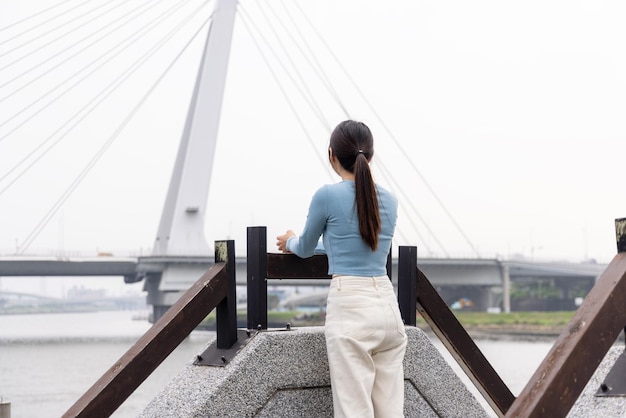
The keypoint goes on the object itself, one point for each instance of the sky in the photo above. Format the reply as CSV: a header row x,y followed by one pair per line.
x,y
498,125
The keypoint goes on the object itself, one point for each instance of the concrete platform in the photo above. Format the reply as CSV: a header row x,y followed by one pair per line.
x,y
589,405
285,374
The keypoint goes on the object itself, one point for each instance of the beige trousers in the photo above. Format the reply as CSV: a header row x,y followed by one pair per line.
x,y
366,341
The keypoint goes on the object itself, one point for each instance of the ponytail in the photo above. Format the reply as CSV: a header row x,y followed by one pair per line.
x,y
353,144
366,202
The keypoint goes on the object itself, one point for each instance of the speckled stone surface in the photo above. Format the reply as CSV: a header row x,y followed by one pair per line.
x,y
285,374
589,405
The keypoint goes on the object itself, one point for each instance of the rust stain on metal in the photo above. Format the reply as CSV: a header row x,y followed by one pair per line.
x,y
577,327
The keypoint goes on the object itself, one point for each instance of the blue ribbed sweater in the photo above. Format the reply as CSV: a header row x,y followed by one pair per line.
x,y
332,215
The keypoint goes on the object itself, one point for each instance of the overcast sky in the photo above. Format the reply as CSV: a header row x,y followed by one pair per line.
x,y
499,125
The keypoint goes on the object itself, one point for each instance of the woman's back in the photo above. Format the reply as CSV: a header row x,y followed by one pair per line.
x,y
348,253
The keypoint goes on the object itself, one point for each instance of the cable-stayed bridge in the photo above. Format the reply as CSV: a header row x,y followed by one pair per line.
x,y
68,122
35,63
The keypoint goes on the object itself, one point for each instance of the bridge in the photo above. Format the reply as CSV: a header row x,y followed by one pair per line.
x,y
487,282
20,302
179,249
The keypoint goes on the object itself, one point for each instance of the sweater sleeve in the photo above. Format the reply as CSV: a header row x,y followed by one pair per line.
x,y
307,243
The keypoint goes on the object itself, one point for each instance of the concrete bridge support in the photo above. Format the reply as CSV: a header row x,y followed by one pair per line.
x,y
285,373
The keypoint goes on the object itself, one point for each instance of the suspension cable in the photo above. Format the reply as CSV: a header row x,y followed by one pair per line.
x,y
68,192
316,65
282,89
111,52
99,98
284,67
307,92
407,199
41,23
129,16
50,42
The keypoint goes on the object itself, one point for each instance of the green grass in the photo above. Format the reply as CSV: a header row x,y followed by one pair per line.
x,y
541,319
467,319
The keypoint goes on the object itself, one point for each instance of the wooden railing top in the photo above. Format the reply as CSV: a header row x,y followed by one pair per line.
x,y
121,380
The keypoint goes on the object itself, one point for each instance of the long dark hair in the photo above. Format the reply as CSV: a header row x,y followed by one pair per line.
x,y
353,144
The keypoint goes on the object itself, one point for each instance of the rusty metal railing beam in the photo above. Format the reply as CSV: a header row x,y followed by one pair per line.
x,y
462,347
579,349
209,292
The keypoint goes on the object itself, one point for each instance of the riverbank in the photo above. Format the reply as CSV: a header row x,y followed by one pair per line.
x,y
513,326
506,333
82,347
527,326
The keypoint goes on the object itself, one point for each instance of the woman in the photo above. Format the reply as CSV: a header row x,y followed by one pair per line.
x,y
365,337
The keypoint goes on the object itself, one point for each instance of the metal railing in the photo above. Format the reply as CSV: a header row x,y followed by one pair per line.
x,y
551,391
215,289
414,293
561,377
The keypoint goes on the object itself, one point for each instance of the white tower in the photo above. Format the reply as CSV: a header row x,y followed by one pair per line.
x,y
181,230
181,249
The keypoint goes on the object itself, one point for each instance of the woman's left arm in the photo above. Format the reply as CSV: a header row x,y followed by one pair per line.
x,y
305,245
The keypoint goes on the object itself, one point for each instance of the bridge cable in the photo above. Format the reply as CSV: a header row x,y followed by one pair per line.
x,y
306,94
302,90
43,35
396,142
129,16
102,95
317,67
316,108
142,31
102,92
244,19
37,14
128,40
31,237
400,190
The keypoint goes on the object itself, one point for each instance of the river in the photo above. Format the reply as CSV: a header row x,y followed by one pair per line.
x,y
48,361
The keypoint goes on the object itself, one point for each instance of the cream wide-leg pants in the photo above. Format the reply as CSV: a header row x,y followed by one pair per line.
x,y
366,341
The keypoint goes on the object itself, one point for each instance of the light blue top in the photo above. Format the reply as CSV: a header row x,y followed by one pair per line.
x,y
332,213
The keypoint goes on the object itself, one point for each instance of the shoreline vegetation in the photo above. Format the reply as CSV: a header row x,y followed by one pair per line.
x,y
522,325
532,325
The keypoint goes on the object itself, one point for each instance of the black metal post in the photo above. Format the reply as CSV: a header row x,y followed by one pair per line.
x,y
226,311
620,237
407,284
257,271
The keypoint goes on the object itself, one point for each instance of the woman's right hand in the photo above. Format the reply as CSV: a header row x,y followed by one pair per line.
x,y
281,240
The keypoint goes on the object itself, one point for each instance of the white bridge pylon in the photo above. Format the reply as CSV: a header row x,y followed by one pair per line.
x,y
181,229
